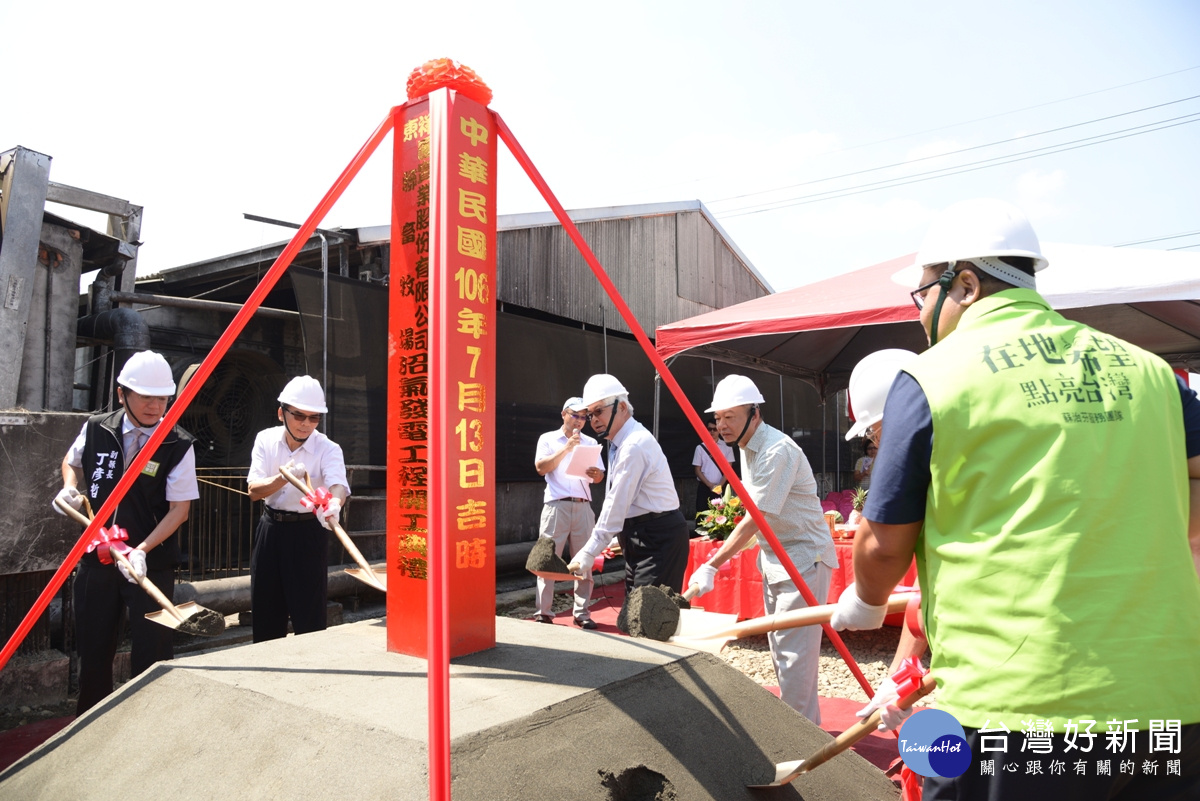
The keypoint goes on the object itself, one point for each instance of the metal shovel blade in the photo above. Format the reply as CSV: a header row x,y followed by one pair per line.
x,y
549,576
190,618
694,622
374,579
785,772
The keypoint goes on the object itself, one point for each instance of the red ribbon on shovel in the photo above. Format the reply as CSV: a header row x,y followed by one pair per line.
x,y
109,538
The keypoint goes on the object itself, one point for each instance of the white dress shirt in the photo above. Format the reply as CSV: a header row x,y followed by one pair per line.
x,y
322,458
639,482
558,484
706,464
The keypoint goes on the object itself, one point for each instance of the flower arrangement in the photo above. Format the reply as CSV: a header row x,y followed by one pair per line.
x,y
724,512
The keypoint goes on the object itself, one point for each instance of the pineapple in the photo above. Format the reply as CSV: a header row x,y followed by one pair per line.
x,y
859,499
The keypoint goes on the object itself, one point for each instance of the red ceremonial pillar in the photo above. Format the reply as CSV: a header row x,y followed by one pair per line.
x,y
441,532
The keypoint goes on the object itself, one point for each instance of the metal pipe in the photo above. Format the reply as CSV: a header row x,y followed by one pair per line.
x,y
200,303
122,328
231,595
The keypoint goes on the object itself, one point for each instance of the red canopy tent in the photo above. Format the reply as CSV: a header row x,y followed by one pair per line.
x,y
820,331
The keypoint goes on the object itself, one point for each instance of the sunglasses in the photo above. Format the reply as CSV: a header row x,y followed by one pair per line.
x,y
301,418
578,415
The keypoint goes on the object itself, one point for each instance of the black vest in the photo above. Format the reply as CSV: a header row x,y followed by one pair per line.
x,y
145,504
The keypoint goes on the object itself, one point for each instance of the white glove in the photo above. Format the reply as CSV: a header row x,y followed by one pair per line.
x,y
71,497
332,511
853,614
295,468
704,578
891,716
137,560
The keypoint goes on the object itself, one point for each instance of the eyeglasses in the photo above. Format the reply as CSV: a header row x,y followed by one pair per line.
x,y
578,415
918,294
595,413
301,418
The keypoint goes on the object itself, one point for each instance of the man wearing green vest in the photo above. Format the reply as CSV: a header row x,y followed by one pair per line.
x,y
1042,472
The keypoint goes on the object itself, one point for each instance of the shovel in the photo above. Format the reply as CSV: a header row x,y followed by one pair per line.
x,y
701,634
189,617
363,572
785,772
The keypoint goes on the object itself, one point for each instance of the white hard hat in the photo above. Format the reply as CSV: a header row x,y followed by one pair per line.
x,y
147,373
732,391
304,393
601,386
574,404
869,385
979,231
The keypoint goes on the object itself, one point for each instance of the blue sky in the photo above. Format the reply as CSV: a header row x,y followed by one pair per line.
x,y
256,107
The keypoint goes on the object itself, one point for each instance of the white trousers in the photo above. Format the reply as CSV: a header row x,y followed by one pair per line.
x,y
796,652
563,521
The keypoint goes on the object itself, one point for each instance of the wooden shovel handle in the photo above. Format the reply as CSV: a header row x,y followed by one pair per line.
x,y
864,727
146,585
805,617
342,536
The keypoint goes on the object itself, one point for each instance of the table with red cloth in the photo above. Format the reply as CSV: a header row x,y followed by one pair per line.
x,y
738,586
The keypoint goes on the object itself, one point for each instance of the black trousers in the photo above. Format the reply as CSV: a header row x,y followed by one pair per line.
x,y
656,551
1134,774
289,577
102,595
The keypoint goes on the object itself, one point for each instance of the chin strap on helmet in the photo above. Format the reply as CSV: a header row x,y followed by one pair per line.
x,y
749,420
944,282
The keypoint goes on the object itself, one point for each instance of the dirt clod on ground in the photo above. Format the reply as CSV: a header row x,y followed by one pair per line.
x,y
638,783
543,558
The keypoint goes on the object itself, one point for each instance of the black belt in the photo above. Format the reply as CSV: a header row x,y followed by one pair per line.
x,y
637,521
572,500
286,517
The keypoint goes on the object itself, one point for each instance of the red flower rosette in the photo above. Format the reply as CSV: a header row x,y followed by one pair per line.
x,y
316,501
908,677
113,537
448,73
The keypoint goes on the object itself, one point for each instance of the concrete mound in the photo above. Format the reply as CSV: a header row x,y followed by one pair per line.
x,y
550,712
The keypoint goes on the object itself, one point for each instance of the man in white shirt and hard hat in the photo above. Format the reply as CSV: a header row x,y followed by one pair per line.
x,y
289,563
780,481
152,510
641,505
567,512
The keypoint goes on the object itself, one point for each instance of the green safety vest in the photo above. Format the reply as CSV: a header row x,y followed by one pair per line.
x,y
1061,584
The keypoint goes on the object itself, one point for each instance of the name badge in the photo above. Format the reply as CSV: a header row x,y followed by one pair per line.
x,y
151,469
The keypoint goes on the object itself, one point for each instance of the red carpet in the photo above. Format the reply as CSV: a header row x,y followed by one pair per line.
x,y
16,743
837,714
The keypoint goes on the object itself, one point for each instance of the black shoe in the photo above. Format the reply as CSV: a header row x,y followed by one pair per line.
x,y
586,623
542,619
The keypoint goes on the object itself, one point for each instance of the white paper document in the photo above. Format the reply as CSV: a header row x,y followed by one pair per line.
x,y
583,457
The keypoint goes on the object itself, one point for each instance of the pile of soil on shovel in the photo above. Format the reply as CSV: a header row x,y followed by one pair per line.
x,y
205,623
651,611
543,558
637,784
